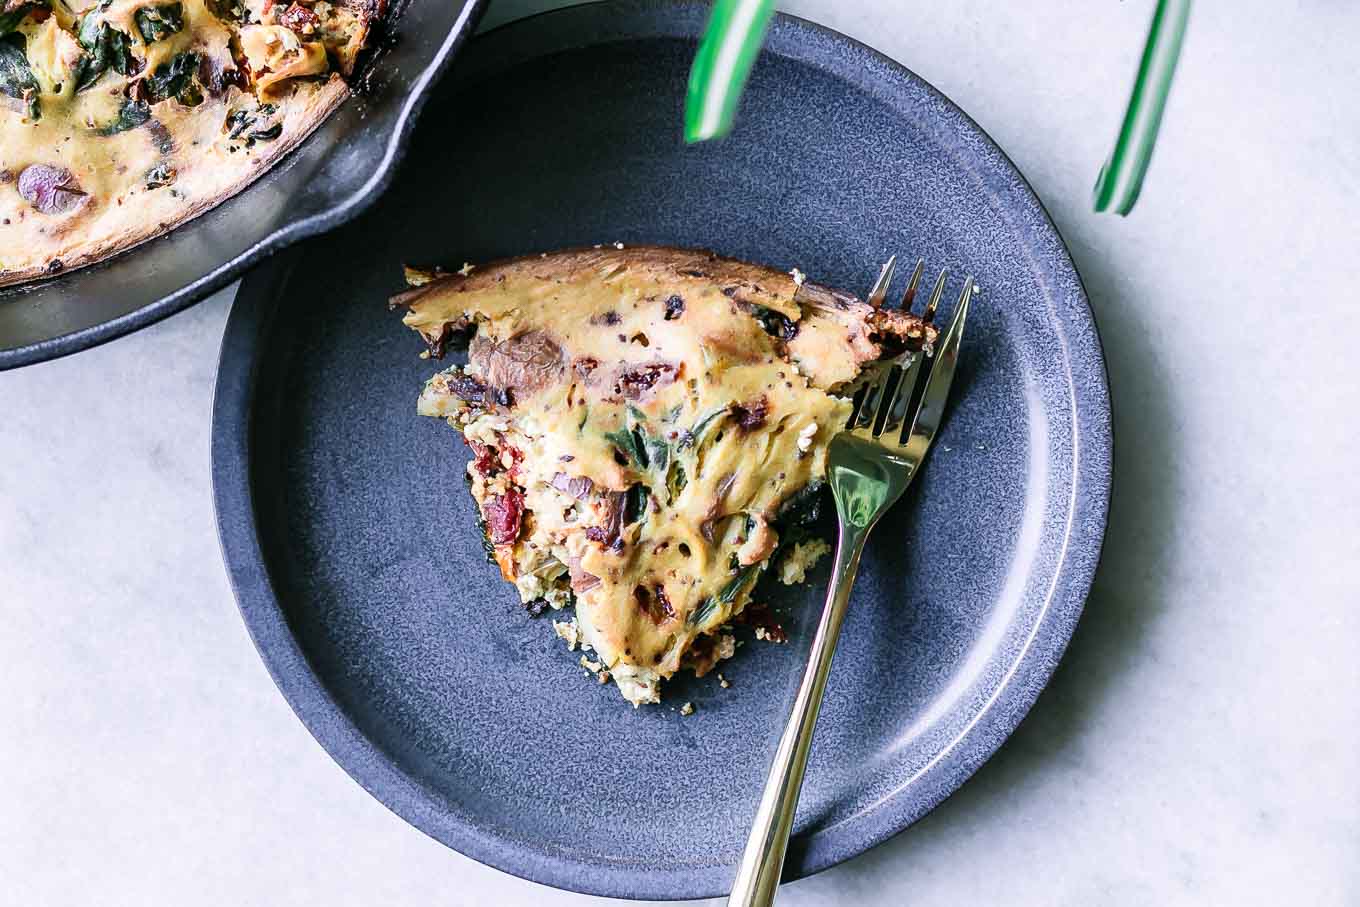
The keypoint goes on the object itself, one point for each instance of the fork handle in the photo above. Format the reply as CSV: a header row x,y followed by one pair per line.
x,y
763,860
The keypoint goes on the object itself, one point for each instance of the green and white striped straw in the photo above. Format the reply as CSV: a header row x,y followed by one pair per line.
x,y
736,29
1121,179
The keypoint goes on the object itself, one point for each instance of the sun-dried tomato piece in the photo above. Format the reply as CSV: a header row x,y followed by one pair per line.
x,y
654,603
484,458
300,19
504,514
757,616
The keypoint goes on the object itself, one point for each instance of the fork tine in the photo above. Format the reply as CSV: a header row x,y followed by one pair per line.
x,y
887,399
911,392
909,297
926,420
880,289
929,314
868,400
905,393
870,396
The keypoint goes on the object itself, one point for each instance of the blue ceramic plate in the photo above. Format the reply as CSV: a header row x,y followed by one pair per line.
x,y
350,536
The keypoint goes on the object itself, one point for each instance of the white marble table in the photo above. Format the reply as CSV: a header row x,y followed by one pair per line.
x,y
1199,745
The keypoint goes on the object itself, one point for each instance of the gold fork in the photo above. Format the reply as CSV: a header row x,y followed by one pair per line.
x,y
869,465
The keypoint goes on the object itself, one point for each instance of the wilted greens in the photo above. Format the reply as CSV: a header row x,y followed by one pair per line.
x,y
175,80
106,48
16,77
157,22
131,115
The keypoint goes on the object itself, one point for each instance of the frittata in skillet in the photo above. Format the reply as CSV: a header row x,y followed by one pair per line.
x,y
647,427
121,118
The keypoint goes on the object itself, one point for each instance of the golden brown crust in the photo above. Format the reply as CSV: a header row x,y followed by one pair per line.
x,y
436,311
699,267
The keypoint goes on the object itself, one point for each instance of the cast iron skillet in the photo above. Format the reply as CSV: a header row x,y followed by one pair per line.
x,y
327,180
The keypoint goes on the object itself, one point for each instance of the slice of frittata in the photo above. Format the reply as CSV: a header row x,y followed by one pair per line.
x,y
646,424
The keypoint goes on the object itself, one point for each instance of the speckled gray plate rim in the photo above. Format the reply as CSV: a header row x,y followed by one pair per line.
x,y
948,643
